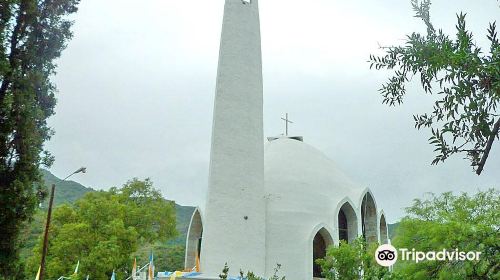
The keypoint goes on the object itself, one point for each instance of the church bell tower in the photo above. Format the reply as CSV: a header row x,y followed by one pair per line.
x,y
234,216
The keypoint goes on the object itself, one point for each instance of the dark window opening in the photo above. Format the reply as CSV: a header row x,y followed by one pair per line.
x,y
343,230
319,252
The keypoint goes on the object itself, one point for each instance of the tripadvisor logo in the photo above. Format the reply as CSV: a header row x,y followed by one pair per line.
x,y
386,255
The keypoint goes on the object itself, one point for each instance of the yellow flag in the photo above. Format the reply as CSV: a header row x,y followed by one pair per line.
x,y
197,263
38,274
134,269
176,274
76,268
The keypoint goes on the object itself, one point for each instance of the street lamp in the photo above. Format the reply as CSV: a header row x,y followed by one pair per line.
x,y
80,170
47,224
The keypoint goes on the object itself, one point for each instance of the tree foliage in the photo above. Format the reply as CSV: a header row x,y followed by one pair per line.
x,y
469,223
463,222
32,35
466,79
353,261
103,230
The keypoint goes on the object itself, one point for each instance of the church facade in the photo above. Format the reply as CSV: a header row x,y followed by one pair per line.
x,y
274,201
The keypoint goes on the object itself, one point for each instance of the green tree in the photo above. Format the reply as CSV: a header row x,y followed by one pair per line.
x,y
469,223
353,261
464,118
103,230
32,35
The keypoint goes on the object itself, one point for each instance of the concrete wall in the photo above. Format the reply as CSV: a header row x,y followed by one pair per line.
x,y
383,229
192,241
234,228
369,218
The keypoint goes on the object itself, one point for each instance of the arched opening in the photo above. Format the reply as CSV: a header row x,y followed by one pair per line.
x,y
343,230
383,230
194,242
369,218
347,223
321,241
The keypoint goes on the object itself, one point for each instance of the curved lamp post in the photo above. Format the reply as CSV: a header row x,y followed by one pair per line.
x,y
47,224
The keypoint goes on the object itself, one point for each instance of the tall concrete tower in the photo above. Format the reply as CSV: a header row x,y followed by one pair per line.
x,y
234,218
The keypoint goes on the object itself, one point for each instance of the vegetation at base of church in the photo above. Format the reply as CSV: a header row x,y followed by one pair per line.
x,y
466,79
250,275
32,35
353,261
103,229
447,221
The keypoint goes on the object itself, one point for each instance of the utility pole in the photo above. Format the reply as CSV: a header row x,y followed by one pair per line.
x,y
47,224
46,234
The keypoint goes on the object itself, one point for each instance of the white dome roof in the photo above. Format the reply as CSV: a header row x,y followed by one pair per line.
x,y
305,191
297,171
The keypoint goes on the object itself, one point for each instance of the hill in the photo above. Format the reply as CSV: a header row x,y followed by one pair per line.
x,y
70,191
392,230
183,217
66,191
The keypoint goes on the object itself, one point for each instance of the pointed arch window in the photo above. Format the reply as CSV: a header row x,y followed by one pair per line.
x,y
383,230
343,230
347,223
369,219
321,241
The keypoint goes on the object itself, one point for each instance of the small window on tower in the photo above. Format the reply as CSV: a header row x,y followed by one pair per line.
x,y
246,1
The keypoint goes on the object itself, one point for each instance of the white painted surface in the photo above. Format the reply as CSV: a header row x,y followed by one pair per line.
x,y
236,175
263,206
305,189
194,233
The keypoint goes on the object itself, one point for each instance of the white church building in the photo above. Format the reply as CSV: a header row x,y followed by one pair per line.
x,y
269,201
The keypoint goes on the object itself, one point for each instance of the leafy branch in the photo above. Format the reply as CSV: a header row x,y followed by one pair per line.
x,y
464,118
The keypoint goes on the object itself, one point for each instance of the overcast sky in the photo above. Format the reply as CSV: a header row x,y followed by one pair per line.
x,y
136,87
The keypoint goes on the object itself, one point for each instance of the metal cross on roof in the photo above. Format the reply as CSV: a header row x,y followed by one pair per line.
x,y
287,121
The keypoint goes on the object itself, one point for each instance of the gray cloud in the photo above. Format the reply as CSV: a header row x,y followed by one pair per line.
x,y
137,83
